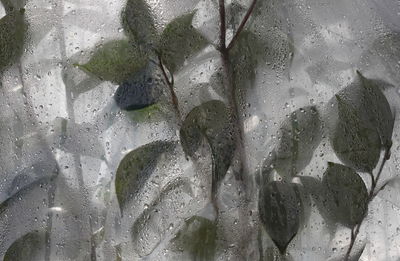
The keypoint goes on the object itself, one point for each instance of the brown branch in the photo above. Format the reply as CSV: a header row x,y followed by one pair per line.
x,y
170,84
222,26
371,196
242,24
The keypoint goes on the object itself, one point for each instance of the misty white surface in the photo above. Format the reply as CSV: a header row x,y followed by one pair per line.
x,y
332,39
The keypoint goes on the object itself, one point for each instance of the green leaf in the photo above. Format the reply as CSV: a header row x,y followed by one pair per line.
x,y
355,142
138,23
279,206
250,50
198,237
179,40
150,113
151,226
139,91
298,136
245,56
136,167
29,247
361,123
346,194
11,5
44,183
12,33
212,121
115,61
378,110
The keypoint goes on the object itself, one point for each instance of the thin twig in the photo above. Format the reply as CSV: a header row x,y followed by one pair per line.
x,y
242,24
222,26
371,196
170,84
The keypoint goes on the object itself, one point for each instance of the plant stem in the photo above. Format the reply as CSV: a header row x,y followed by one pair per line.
x,y
355,231
239,164
228,81
242,24
170,84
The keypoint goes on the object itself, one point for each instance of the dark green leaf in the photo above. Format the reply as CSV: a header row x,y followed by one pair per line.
x,y
115,61
180,40
138,23
198,237
139,91
29,247
378,110
11,5
136,167
361,123
355,142
212,121
12,34
152,224
346,193
279,207
298,136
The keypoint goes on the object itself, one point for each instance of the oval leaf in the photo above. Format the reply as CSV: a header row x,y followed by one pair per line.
x,y
136,167
346,194
355,142
212,121
298,136
138,23
279,206
151,227
115,61
250,50
139,91
378,110
12,33
29,247
198,237
179,40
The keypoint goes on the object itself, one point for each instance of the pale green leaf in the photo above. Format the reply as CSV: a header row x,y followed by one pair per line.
x,y
115,61
212,121
345,193
179,40
298,137
198,238
279,206
29,247
152,224
250,50
136,167
138,23
12,35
